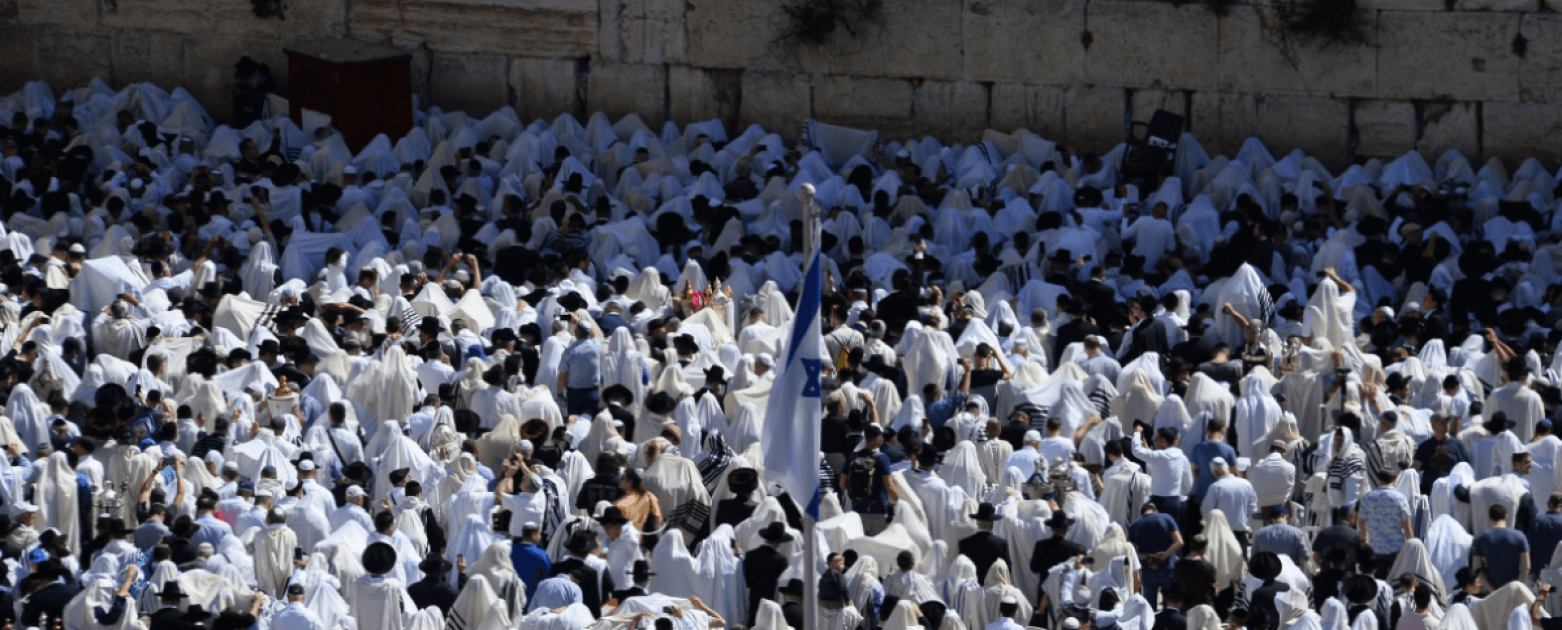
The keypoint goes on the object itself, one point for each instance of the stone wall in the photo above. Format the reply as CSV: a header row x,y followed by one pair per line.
x,y
1483,76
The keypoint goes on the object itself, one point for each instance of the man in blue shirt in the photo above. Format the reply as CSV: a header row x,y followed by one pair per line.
x,y
1213,447
940,409
580,369
1157,540
1501,550
531,562
1545,533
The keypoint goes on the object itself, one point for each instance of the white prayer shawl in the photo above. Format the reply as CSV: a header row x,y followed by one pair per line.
x,y
1448,547
1505,490
680,491
962,469
1493,611
378,603
476,603
998,587
1256,413
56,499
1125,488
1223,551
28,416
1415,560
389,390
274,558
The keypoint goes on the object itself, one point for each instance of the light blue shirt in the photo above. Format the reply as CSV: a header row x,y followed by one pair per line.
x,y
1385,511
1235,497
555,592
582,363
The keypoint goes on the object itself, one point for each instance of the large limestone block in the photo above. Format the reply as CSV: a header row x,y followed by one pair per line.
x,y
69,60
537,28
148,56
1447,126
620,89
1540,70
1151,44
1319,125
1094,117
75,14
1145,102
1031,41
545,88
1467,56
1222,121
1516,131
476,84
911,38
1038,108
865,103
643,31
180,16
1405,5
696,95
18,59
777,101
1509,6
1254,55
1385,129
952,111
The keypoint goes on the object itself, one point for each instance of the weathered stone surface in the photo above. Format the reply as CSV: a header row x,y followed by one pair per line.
x,y
643,31
1254,56
18,59
952,111
621,89
752,34
1151,45
1447,55
1447,126
1319,125
1516,131
1385,128
1093,117
882,104
1034,41
69,60
1403,5
1508,6
1145,102
76,14
180,16
538,28
1221,121
148,56
545,88
692,95
1540,70
777,101
477,84
1038,108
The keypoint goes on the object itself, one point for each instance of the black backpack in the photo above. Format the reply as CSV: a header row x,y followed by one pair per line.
x,y
859,478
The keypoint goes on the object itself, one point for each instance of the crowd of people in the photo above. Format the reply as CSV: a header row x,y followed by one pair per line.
x,y
494,374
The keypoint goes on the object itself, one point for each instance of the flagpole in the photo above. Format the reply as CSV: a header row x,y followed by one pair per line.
x,y
811,240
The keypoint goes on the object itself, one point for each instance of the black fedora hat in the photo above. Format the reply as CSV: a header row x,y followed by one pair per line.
x,y
641,570
1059,520
986,512
775,532
434,564
661,403
379,558
612,516
743,480
618,393
1265,565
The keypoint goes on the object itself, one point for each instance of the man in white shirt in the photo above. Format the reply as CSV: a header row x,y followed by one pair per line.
x,y
435,369
1272,477
296,616
1056,445
1095,362
1152,235
1234,497
1171,478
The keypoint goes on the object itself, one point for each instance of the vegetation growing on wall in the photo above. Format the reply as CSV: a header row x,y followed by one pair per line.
x,y
814,22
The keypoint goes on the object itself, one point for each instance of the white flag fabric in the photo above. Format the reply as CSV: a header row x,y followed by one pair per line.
x,y
795,411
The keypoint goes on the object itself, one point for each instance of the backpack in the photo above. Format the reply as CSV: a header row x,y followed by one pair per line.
x,y
859,478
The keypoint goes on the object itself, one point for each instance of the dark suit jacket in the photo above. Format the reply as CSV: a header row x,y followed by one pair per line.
x,y
1171,619
1149,335
433,592
1050,552
1071,332
590,592
762,568
165,619
984,548
1102,299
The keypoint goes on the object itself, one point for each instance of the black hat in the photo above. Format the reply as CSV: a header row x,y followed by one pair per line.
x,y
571,301
210,290
793,586
431,326
612,516
1361,589
379,558
641,570
1059,520
1264,565
716,372
116,527
743,480
618,393
197,614
434,564
775,532
1498,422
535,430
399,475
295,589
1062,256
171,590
661,403
986,512
581,543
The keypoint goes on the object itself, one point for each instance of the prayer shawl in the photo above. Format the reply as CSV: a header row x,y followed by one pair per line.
x,y
1125,489
1493,611
473,607
1256,413
1347,468
274,558
378,602
1223,552
680,491
1448,547
1505,490
56,496
998,587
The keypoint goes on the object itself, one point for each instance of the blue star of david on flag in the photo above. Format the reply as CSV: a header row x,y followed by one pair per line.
x,y
811,385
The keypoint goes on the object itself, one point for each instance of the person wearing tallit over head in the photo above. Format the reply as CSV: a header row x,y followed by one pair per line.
x,y
116,333
274,554
1492,454
1345,463
379,602
56,494
1516,398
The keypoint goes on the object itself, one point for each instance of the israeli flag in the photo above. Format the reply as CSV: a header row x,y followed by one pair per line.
x,y
795,411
